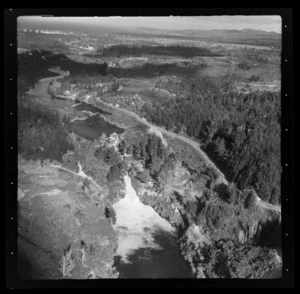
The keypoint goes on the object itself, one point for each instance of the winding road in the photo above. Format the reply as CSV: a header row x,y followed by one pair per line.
x,y
196,146
41,89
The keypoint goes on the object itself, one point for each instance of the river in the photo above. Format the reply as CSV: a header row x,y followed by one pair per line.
x,y
93,127
90,128
41,87
147,243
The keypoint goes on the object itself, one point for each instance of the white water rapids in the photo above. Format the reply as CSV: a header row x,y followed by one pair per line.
x,y
136,224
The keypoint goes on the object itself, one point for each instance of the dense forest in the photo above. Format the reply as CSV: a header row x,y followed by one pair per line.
x,y
240,131
149,149
149,70
229,217
34,65
231,220
137,51
146,148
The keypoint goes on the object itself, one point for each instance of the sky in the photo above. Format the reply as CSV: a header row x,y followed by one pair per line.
x,y
225,22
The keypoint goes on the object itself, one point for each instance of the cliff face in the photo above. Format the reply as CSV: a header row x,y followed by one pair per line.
x,y
59,221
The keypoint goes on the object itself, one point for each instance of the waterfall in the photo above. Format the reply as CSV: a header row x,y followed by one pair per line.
x,y
136,223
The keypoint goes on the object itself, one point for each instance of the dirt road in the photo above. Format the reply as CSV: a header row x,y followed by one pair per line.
x,y
194,144
81,173
42,91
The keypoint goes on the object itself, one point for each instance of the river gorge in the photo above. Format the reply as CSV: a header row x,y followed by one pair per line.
x,y
146,245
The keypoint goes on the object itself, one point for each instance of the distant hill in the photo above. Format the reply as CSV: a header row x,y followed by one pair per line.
x,y
245,36
202,33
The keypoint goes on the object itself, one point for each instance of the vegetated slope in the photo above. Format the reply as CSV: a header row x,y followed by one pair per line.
x,y
240,131
41,134
79,200
232,224
76,194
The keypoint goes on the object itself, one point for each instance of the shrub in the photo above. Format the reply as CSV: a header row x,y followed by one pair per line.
x,y
220,148
143,176
254,78
107,155
110,213
67,262
250,201
244,65
116,171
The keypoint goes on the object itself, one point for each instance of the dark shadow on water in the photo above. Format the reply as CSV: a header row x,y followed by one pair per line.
x,y
164,263
34,65
93,127
88,107
270,235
